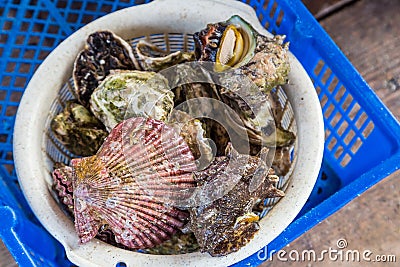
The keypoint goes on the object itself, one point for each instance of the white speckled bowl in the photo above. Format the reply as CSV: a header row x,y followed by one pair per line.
x,y
156,17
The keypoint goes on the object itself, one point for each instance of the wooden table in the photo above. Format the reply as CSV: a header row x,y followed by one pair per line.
x,y
368,32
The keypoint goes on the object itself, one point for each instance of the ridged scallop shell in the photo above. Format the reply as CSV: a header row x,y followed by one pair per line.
x,y
133,184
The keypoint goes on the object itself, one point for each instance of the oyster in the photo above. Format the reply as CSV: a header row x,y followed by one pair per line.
x,y
104,51
236,44
126,94
132,184
152,58
227,223
194,135
78,130
180,243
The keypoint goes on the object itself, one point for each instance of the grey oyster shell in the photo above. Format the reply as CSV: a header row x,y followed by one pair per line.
x,y
195,136
126,94
226,224
153,58
78,130
104,51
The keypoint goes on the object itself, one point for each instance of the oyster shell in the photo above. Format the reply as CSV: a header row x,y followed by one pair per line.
x,y
132,184
236,44
180,243
153,58
192,131
78,130
126,94
104,51
227,223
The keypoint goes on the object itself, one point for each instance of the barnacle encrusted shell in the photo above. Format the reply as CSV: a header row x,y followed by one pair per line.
x,y
126,94
78,130
227,224
104,51
132,184
236,44
153,58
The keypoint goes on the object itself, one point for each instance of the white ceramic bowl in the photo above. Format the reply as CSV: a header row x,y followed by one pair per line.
x,y
157,17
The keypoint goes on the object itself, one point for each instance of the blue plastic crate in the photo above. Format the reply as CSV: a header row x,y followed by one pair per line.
x,y
355,119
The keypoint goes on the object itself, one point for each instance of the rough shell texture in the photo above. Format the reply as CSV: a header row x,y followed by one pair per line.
x,y
194,134
78,130
226,224
132,184
126,94
152,58
270,65
104,51
62,184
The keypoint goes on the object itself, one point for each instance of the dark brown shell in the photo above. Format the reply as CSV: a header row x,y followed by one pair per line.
x,y
132,184
104,51
227,224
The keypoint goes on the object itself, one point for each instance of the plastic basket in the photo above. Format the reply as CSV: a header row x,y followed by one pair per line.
x,y
355,119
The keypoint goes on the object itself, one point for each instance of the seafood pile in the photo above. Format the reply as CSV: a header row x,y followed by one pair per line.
x,y
172,151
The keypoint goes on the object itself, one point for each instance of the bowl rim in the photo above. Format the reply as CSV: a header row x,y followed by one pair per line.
x,y
29,155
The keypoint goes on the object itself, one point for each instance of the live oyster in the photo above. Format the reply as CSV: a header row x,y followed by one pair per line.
x,y
104,51
227,224
78,130
153,58
126,94
132,184
236,44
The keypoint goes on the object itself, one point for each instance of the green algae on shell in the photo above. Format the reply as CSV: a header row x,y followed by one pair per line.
x,y
78,130
125,94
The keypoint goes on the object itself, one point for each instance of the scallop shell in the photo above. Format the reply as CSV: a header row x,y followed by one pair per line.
x,y
236,44
133,183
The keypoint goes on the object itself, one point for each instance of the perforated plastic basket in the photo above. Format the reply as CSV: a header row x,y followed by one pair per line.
x,y
356,121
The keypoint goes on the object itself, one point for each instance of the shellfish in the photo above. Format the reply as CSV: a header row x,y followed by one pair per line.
x,y
103,52
236,44
228,223
133,184
78,130
124,94
152,58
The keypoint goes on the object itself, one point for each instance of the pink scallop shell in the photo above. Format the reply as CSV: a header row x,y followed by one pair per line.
x,y
133,184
